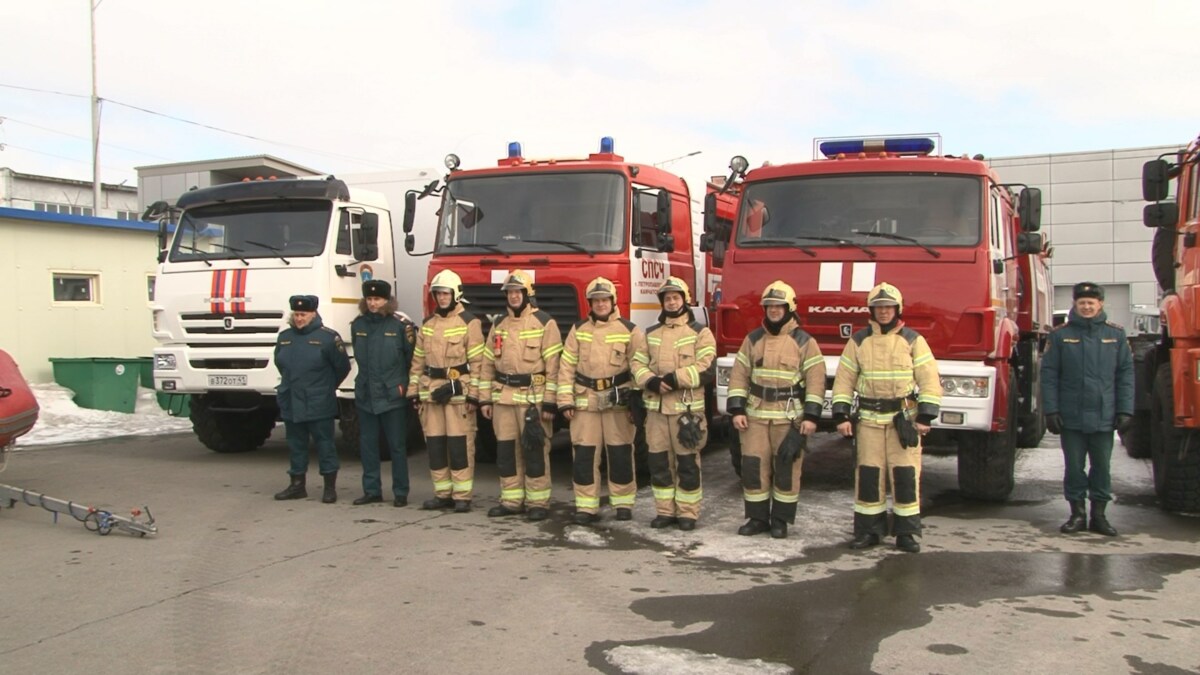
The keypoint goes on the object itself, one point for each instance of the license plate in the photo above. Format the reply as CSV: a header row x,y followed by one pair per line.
x,y
226,380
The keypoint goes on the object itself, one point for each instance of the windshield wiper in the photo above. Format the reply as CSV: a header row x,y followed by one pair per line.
x,y
569,244
487,247
203,254
271,248
787,242
900,237
835,240
235,250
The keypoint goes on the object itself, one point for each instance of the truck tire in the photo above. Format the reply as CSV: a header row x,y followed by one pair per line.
x,y
228,432
1031,423
1176,478
1031,427
986,460
1137,439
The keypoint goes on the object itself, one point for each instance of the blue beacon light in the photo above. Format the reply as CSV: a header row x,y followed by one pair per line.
x,y
900,146
514,150
606,145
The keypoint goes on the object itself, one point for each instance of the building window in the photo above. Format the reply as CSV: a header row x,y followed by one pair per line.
x,y
127,215
76,288
50,207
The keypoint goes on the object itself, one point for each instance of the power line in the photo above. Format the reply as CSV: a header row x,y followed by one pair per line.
x,y
5,146
4,119
43,91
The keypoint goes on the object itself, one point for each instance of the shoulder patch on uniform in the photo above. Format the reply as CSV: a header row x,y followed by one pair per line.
x,y
1114,325
467,317
909,334
800,336
756,334
696,326
653,328
629,325
860,335
543,316
330,330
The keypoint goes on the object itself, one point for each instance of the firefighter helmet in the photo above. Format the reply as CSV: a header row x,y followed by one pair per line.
x,y
779,293
679,286
600,287
447,280
885,295
518,280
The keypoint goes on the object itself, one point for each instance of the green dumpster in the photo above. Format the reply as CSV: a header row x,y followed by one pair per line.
x,y
100,383
147,376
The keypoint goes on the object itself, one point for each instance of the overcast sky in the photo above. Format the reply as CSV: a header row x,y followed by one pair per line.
x,y
364,85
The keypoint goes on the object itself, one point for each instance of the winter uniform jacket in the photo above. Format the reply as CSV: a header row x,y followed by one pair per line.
x,y
445,343
597,349
1087,373
312,362
679,351
383,347
766,364
892,365
528,344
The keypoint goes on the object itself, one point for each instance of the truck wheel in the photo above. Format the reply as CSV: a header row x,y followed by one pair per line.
x,y
1031,427
1137,439
228,432
1031,423
1176,478
986,460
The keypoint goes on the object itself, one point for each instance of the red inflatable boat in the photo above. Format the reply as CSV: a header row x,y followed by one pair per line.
x,y
18,407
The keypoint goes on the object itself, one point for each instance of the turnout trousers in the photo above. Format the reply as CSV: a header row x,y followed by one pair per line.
x,y
321,434
769,491
393,425
881,460
524,474
614,432
674,469
1082,449
450,441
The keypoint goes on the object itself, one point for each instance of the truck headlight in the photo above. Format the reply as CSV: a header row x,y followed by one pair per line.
x,y
164,362
966,387
723,373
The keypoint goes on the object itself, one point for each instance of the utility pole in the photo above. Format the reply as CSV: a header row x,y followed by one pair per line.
x,y
95,117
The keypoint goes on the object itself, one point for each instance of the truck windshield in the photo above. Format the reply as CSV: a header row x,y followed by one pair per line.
x,y
930,210
534,213
241,230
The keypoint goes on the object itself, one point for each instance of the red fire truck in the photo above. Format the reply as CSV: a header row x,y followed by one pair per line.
x,y
566,221
962,247
1171,371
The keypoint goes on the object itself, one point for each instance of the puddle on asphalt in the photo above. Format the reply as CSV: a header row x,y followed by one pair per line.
x,y
796,623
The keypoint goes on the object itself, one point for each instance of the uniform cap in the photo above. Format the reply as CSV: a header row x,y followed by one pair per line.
x,y
376,288
304,303
1087,289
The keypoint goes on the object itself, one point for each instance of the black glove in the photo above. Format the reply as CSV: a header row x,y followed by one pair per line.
x,y
654,384
1124,422
690,431
671,381
792,447
551,408
906,431
1054,423
445,392
533,436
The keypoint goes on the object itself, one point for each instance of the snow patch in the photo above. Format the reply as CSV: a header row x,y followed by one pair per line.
x,y
62,421
652,660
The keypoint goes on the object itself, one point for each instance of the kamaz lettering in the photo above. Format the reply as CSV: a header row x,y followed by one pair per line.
x,y
830,309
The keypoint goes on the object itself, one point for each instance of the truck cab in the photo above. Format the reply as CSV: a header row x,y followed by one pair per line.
x,y
961,246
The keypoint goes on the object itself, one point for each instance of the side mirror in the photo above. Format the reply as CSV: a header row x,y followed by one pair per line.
x,y
1029,243
162,240
666,243
710,213
706,242
410,242
1156,181
368,233
1161,214
1029,209
663,215
410,210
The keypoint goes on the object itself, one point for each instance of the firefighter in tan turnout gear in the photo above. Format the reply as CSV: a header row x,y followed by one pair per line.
x,y
894,373
674,369
595,384
445,379
517,392
776,391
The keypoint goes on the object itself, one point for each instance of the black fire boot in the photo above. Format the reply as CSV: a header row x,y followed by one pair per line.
x,y
367,499
661,521
585,518
1099,524
864,540
624,514
437,503
753,526
1078,520
537,513
778,528
907,543
462,505
294,491
502,510
329,495
687,524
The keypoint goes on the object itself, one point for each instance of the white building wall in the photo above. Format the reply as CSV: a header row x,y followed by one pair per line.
x,y
24,191
36,327
1092,214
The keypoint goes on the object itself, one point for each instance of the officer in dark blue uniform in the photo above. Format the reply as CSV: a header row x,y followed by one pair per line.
x,y
383,344
1087,391
312,362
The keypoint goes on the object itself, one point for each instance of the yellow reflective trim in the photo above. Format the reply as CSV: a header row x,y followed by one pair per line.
x,y
587,502
570,358
641,357
814,398
688,497
813,361
689,340
474,351
784,497
694,373
512,494
621,500
758,413
789,375
489,354
537,495
842,398
848,363
664,493
537,333
583,337
426,330
418,352
463,486
870,509
551,351
922,360
705,351
454,332
654,340
914,510
743,359
441,485
622,337
755,496
737,392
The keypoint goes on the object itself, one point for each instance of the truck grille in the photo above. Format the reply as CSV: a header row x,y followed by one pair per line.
x,y
560,300
245,324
